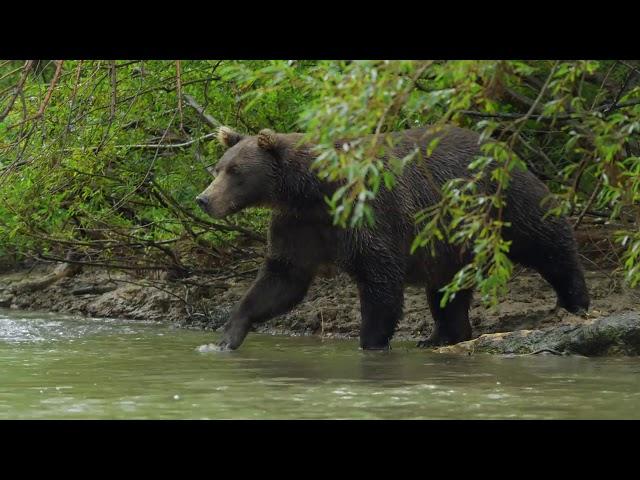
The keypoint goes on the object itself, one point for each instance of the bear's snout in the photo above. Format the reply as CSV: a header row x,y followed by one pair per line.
x,y
208,206
211,205
202,201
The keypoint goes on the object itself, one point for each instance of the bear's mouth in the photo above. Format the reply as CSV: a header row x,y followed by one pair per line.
x,y
211,210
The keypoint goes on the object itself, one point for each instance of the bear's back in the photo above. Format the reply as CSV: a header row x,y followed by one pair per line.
x,y
430,167
419,186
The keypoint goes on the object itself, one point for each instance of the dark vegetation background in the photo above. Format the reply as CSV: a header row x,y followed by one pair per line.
x,y
100,161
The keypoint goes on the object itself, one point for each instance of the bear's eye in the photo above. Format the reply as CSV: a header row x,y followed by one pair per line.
x,y
232,169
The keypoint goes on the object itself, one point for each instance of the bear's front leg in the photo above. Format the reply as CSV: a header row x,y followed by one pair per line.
x,y
279,287
381,308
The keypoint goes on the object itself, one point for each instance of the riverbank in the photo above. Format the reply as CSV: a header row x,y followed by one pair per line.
x,y
331,308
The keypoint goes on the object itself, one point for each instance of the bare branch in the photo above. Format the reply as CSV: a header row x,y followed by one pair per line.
x,y
25,72
179,92
212,122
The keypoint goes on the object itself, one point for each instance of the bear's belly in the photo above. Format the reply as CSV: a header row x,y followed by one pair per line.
x,y
423,269
417,271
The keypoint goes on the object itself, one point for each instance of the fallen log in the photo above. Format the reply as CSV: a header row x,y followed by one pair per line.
x,y
617,334
63,270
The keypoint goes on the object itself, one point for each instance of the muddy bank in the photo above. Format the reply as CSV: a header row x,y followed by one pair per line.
x,y
331,308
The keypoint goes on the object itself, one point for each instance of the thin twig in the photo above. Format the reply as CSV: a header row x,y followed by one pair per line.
x,y
114,91
169,145
179,92
52,86
25,72
596,189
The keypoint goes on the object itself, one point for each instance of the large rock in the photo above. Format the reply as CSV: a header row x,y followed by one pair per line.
x,y
132,302
617,334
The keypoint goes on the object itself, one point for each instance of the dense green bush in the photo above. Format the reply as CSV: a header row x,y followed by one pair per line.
x,y
105,157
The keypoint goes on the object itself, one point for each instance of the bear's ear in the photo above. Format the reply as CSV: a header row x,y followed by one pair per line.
x,y
267,139
228,137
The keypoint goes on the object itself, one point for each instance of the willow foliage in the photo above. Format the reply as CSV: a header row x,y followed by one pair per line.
x,y
105,157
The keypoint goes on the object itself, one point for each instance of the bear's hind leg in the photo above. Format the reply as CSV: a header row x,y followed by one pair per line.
x,y
567,279
451,323
381,309
549,247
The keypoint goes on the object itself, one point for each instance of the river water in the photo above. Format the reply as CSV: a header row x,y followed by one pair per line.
x,y
61,367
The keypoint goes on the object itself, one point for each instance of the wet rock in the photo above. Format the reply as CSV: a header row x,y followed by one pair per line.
x,y
132,302
617,334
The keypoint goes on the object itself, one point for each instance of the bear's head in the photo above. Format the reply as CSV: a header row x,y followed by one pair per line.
x,y
246,175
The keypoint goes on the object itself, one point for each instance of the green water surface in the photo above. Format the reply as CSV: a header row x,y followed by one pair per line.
x,y
60,367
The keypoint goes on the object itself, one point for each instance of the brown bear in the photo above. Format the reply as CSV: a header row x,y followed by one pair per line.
x,y
273,170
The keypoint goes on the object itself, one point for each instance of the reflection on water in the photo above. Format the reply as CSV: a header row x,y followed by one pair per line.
x,y
54,366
